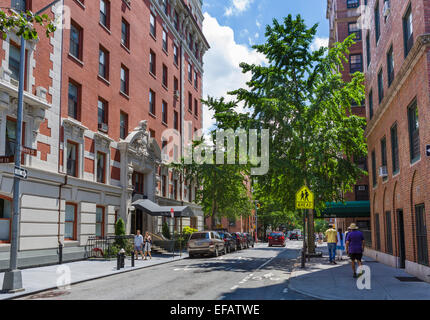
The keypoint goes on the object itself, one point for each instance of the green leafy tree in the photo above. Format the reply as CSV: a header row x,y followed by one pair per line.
x,y
301,97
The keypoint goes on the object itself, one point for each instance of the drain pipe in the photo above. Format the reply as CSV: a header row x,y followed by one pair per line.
x,y
60,244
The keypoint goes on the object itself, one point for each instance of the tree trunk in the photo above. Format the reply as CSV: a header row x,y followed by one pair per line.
x,y
311,235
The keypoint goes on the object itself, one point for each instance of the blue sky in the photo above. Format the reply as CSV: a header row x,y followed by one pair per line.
x,y
233,26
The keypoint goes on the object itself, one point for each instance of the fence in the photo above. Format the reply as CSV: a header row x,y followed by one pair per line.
x,y
367,238
105,247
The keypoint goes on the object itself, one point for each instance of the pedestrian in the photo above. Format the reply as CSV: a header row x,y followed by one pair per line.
x,y
340,247
355,247
147,245
331,235
321,238
138,242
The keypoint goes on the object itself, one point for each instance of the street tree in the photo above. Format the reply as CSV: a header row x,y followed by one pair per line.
x,y
301,97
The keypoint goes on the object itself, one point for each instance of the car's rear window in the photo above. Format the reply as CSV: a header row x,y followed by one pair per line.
x,y
203,235
276,234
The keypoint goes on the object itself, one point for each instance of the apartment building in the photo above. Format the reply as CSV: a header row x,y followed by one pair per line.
x,y
397,72
101,96
344,20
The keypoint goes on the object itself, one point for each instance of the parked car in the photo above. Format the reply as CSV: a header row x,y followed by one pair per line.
x,y
229,241
240,240
206,243
249,239
277,239
294,236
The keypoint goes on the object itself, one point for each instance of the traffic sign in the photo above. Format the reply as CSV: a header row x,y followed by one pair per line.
x,y
31,152
428,150
7,159
172,213
21,173
304,198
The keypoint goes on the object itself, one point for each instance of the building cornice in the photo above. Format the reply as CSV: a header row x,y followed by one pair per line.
x,y
421,44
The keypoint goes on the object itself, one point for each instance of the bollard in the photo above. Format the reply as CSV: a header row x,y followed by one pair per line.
x,y
132,259
60,253
122,253
118,261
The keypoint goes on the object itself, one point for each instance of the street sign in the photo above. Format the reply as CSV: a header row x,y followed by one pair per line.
x,y
304,198
428,150
7,159
21,173
31,152
172,213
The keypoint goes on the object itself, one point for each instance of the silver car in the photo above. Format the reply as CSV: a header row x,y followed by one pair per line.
x,y
206,242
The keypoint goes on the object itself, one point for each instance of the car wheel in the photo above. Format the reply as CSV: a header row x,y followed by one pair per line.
x,y
191,256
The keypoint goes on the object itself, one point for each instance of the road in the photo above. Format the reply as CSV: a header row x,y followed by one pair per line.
x,y
259,273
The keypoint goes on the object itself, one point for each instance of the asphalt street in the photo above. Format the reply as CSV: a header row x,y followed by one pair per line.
x,y
259,273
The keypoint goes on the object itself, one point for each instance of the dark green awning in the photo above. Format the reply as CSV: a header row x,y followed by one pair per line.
x,y
349,209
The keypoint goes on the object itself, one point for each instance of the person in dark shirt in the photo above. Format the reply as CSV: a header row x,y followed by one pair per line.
x,y
355,247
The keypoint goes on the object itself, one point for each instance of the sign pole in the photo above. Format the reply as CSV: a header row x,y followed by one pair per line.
x,y
304,241
172,215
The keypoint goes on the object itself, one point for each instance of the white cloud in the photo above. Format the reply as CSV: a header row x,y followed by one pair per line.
x,y
221,64
237,7
318,43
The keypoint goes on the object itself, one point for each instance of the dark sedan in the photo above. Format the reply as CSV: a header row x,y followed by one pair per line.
x,y
229,241
240,240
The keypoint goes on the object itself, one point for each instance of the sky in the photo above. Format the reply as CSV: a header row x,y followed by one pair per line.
x,y
233,26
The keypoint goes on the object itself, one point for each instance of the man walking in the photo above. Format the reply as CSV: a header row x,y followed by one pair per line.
x,y
138,242
355,247
331,235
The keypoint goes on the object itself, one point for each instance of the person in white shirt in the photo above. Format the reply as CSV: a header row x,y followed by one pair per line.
x,y
138,243
340,246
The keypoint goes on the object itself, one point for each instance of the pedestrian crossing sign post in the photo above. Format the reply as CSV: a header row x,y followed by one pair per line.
x,y
304,198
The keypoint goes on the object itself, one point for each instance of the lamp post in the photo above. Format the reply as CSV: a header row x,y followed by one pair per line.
x,y
13,278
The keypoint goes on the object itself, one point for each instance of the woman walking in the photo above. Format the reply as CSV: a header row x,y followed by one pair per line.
x,y
340,246
147,245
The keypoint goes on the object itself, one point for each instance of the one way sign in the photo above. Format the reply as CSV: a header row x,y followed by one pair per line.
x,y
21,173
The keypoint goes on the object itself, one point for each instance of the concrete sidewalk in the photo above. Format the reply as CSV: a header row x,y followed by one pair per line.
x,y
325,281
45,278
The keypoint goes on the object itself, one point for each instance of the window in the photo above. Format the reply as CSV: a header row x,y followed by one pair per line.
x,y
74,104
123,125
124,80
395,149
369,57
75,40
165,76
377,22
195,80
100,222
102,112
10,137
163,147
414,133
374,173
388,233
101,167
72,159
371,104
377,233
165,7
70,222
165,46
104,63
176,20
5,220
152,102
152,133
421,232
380,86
175,55
104,12
355,63
175,84
152,27
190,194
190,102
352,3
354,28
152,61
175,120
361,193
138,182
196,107
125,33
408,31
390,66
14,61
384,154
164,111
190,72
164,186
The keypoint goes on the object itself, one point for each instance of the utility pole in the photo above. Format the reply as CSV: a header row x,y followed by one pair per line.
x,y
13,278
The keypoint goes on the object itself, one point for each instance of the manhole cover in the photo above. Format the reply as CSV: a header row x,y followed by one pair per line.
x,y
409,279
50,294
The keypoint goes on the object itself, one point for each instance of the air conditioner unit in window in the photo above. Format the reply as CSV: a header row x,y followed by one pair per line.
x,y
386,10
103,127
361,188
383,172
176,94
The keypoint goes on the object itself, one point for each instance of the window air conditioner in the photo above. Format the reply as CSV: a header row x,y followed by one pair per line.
x,y
386,11
383,172
103,127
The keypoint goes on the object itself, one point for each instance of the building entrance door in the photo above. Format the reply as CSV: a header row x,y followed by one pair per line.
x,y
5,220
401,237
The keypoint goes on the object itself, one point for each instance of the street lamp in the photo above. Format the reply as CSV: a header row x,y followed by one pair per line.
x,y
13,278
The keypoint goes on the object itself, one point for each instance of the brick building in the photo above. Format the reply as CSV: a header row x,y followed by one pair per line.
x,y
344,19
397,68
101,96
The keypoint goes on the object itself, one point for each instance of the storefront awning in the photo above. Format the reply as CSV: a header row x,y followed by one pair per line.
x,y
155,210
349,209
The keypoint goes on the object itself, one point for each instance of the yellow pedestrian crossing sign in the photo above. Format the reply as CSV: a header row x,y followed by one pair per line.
x,y
304,199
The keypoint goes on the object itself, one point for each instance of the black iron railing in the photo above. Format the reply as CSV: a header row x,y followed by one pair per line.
x,y
367,238
109,246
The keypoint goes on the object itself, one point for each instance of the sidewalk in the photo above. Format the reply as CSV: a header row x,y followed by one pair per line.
x,y
325,281
45,278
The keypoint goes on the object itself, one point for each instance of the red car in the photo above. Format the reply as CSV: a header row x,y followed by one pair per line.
x,y
277,239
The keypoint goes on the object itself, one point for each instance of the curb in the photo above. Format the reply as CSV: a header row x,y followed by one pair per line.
x,y
89,279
